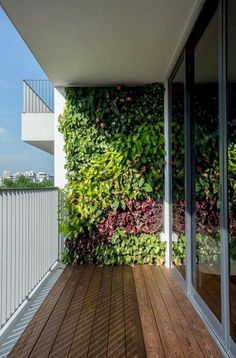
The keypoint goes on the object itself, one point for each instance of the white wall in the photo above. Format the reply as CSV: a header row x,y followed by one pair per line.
x,y
37,129
59,155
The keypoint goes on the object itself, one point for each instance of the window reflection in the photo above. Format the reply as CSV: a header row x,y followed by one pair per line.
x,y
178,169
232,156
207,175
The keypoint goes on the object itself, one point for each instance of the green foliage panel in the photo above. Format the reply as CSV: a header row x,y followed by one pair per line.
x,y
123,249
114,145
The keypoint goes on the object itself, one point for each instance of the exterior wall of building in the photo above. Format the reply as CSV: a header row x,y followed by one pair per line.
x,y
59,155
37,129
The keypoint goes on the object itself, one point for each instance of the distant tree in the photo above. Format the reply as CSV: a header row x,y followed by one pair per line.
x,y
7,183
23,182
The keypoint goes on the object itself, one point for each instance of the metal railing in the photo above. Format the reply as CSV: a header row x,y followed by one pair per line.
x,y
29,244
38,96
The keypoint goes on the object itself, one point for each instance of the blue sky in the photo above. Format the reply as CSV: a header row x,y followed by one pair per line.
x,y
16,63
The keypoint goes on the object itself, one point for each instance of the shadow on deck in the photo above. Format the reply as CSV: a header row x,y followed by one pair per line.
x,y
125,311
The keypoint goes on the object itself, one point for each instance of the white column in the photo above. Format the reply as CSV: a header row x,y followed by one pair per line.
x,y
168,174
59,154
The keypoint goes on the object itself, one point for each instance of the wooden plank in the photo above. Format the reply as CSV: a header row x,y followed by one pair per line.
x,y
80,343
27,341
66,333
169,338
44,343
99,337
203,337
152,340
116,338
133,330
185,336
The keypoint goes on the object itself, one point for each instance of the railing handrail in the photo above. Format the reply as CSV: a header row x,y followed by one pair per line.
x,y
35,79
29,189
43,98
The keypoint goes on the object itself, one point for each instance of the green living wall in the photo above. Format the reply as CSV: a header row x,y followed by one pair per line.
x,y
114,144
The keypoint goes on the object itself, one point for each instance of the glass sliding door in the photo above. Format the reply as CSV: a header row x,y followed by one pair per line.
x,y
203,121
177,90
231,85
206,218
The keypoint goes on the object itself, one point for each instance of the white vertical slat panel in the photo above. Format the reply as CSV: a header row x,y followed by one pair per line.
x,y
20,238
1,254
17,245
12,222
1,248
4,259
34,237
31,263
27,249
24,240
28,243
37,254
8,254
41,234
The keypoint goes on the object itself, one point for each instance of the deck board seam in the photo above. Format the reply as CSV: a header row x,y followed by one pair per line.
x,y
17,346
51,312
123,301
85,277
136,304
97,300
108,331
90,280
79,279
68,282
194,334
180,311
171,322
183,314
115,306
92,331
153,313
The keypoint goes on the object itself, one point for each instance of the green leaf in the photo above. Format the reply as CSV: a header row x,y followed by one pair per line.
x,y
148,188
123,206
115,204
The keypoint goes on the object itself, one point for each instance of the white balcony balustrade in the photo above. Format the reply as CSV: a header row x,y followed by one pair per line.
x,y
29,244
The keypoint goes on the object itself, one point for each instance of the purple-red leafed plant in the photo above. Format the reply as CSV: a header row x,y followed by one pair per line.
x,y
140,217
207,218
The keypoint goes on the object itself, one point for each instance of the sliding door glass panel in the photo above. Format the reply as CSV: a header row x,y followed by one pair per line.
x,y
178,198
206,275
232,157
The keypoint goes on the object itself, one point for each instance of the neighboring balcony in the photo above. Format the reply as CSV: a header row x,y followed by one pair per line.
x,y
38,114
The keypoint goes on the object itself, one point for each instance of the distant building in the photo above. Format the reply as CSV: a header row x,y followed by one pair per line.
x,y
51,178
31,175
6,175
14,176
41,176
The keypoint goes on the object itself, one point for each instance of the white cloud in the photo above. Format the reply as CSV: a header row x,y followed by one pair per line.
x,y
5,135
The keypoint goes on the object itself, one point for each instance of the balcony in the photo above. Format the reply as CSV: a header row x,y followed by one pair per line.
x,y
90,311
38,114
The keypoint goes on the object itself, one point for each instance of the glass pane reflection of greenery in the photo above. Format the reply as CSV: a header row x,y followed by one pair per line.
x,y
207,273
232,159
178,169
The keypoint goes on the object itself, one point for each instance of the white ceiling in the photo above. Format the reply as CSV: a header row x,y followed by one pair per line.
x,y
103,42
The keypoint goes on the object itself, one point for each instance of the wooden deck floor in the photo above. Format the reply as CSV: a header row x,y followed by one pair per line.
x,y
103,312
